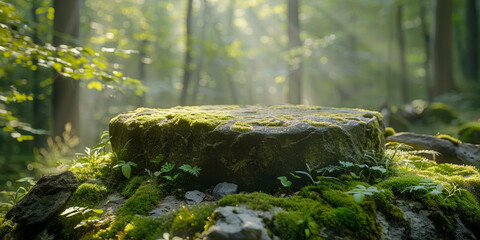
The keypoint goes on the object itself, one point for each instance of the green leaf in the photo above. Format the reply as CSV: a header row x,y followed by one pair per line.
x,y
167,167
358,197
354,175
284,181
95,85
189,169
100,211
158,159
126,170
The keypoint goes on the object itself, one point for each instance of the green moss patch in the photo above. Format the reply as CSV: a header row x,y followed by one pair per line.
x,y
144,199
315,207
88,195
132,186
449,138
191,220
470,132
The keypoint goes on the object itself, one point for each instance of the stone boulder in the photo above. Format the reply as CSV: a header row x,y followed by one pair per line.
x,y
450,151
236,223
44,201
247,145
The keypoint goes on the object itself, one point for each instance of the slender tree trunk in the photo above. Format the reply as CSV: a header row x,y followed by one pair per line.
x,y
142,74
442,48
227,61
65,90
426,41
388,72
229,40
201,59
188,53
471,63
294,67
401,54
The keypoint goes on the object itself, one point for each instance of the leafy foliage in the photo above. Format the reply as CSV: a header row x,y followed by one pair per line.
x,y
169,167
126,168
72,211
18,48
361,191
427,185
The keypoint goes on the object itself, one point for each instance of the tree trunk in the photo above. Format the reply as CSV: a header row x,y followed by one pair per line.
x,y
471,62
426,41
388,63
201,59
65,90
401,54
294,67
442,48
188,53
142,75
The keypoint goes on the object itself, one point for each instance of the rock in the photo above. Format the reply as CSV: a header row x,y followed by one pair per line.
x,y
421,226
236,223
462,232
223,189
390,231
194,197
167,206
44,201
248,145
112,203
450,152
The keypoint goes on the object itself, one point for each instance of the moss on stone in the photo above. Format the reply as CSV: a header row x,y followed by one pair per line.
x,y
444,225
91,168
191,220
134,227
88,195
389,132
132,186
320,124
466,206
384,202
449,138
439,112
325,205
241,126
470,132
287,225
147,228
398,184
142,202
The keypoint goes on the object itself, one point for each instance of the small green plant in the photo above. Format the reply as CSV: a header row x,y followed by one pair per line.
x,y
453,190
427,185
308,174
158,159
169,167
126,168
72,211
5,226
284,181
193,170
360,191
16,196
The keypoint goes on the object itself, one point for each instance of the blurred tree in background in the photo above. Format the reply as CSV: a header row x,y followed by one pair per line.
x,y
349,53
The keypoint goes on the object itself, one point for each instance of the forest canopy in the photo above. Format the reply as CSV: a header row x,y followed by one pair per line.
x,y
68,67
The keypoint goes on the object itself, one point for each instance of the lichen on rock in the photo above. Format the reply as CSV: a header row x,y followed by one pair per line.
x,y
246,145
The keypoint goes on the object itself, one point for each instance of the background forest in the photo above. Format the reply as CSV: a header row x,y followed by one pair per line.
x,y
399,56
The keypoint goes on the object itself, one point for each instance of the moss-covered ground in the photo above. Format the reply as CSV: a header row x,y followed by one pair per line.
x,y
302,211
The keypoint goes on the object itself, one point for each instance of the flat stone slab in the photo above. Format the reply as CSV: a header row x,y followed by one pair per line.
x,y
247,145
